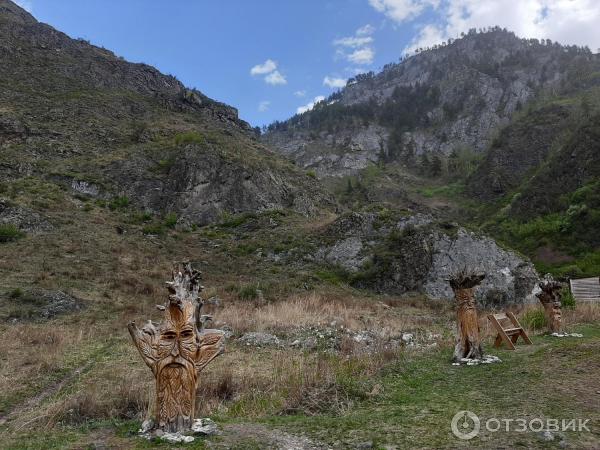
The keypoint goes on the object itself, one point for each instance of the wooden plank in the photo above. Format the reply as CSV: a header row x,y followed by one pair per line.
x,y
585,289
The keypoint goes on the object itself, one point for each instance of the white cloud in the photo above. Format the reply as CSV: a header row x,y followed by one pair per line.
x,y
362,56
269,69
301,93
275,78
353,41
403,10
428,36
572,22
367,30
357,48
25,4
333,82
261,69
310,105
264,106
566,21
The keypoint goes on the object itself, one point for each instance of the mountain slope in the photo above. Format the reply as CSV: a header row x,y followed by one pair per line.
x,y
434,103
77,115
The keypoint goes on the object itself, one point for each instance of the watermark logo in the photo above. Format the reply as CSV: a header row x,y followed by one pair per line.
x,y
465,425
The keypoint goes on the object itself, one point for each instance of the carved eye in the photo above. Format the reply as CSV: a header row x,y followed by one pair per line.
x,y
169,335
187,334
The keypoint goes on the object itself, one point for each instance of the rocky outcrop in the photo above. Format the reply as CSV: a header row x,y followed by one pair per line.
x,y
200,185
39,304
417,253
23,218
332,154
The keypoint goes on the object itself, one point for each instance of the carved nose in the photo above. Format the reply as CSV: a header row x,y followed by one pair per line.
x,y
175,350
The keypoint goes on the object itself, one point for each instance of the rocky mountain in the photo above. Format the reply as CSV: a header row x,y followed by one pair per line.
x,y
79,117
438,102
496,132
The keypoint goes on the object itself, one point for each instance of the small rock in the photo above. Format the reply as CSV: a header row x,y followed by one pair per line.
x,y
206,427
310,343
260,339
147,425
364,445
175,438
227,331
408,338
546,436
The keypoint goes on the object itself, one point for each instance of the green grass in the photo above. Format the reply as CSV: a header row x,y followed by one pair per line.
x,y
9,232
190,137
419,393
534,319
447,191
120,202
333,275
248,292
170,220
422,392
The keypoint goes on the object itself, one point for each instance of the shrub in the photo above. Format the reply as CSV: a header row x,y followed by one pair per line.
x,y
248,292
153,228
311,173
534,319
9,232
567,300
171,220
140,217
16,293
119,203
191,137
229,220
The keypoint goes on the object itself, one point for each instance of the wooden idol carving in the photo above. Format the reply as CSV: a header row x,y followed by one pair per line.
x,y
468,343
177,349
551,300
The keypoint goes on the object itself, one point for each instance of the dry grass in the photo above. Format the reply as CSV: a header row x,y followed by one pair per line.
x,y
121,278
318,310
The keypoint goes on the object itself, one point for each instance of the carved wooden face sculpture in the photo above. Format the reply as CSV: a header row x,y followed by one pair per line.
x,y
177,349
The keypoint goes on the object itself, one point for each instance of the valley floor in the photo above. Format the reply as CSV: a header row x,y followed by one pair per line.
x,y
348,368
414,398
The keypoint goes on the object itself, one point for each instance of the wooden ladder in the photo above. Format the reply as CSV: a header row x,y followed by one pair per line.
x,y
509,329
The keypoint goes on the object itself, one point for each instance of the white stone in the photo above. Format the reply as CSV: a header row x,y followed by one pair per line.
x,y
205,427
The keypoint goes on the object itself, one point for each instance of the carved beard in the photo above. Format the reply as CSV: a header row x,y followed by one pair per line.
x,y
176,390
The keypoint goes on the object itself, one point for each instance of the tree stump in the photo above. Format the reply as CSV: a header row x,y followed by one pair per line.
x,y
551,300
468,342
177,349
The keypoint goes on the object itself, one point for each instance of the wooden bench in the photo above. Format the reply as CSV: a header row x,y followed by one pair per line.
x,y
509,329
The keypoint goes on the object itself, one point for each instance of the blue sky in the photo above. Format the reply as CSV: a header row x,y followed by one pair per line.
x,y
268,58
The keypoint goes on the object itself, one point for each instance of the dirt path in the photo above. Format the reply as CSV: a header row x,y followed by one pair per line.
x,y
48,391
259,436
